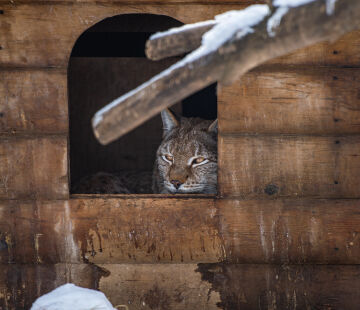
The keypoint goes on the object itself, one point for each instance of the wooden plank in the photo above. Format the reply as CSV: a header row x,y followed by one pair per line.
x,y
292,101
284,287
179,230
33,101
188,286
32,168
293,231
343,52
117,230
49,41
20,285
163,287
146,230
289,166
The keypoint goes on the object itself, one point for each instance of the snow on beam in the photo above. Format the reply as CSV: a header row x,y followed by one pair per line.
x,y
238,42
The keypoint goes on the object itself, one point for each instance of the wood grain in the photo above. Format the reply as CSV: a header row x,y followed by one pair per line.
x,y
48,41
273,100
33,168
122,229
343,52
188,286
33,101
163,287
284,287
289,166
179,230
296,231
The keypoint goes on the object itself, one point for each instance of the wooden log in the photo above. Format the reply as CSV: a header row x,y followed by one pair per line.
x,y
233,58
343,52
130,229
293,231
284,287
271,100
21,284
268,166
49,41
33,168
171,43
123,229
188,286
149,286
33,101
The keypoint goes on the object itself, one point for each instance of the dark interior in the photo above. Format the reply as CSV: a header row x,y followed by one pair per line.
x,y
107,61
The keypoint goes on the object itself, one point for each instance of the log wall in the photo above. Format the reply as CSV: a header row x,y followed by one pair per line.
x,y
283,232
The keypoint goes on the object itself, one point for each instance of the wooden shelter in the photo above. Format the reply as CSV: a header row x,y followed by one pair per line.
x,y
283,231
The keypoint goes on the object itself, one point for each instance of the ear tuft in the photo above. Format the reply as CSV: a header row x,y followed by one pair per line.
x,y
213,127
169,120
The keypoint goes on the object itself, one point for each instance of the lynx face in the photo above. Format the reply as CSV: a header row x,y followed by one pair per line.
x,y
186,160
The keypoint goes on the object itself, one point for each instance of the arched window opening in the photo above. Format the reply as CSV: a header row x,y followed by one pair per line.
x,y
107,61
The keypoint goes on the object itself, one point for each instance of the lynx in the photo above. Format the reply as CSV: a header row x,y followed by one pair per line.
x,y
186,162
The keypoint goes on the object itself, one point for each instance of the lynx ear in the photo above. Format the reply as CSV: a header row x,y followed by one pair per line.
x,y
169,120
213,126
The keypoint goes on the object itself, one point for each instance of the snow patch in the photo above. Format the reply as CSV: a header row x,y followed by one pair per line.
x,y
70,296
291,3
232,22
283,7
330,7
275,20
182,28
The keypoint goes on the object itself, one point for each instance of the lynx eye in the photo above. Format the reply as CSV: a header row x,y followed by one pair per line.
x,y
168,158
198,160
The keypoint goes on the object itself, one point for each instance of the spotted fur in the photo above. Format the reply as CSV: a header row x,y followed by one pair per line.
x,y
185,140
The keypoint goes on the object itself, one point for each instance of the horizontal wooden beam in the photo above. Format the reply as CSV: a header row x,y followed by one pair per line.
x,y
292,231
300,100
34,167
33,101
272,166
175,229
190,286
49,41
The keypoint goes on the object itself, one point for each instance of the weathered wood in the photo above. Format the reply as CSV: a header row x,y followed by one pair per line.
x,y
177,43
284,287
122,229
306,100
146,230
32,168
49,41
188,286
343,52
299,28
33,101
289,166
290,231
179,230
21,284
163,287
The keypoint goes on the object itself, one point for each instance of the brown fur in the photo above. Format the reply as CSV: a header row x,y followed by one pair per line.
x,y
185,140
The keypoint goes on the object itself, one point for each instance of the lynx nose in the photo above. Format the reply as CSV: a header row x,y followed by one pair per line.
x,y
176,183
